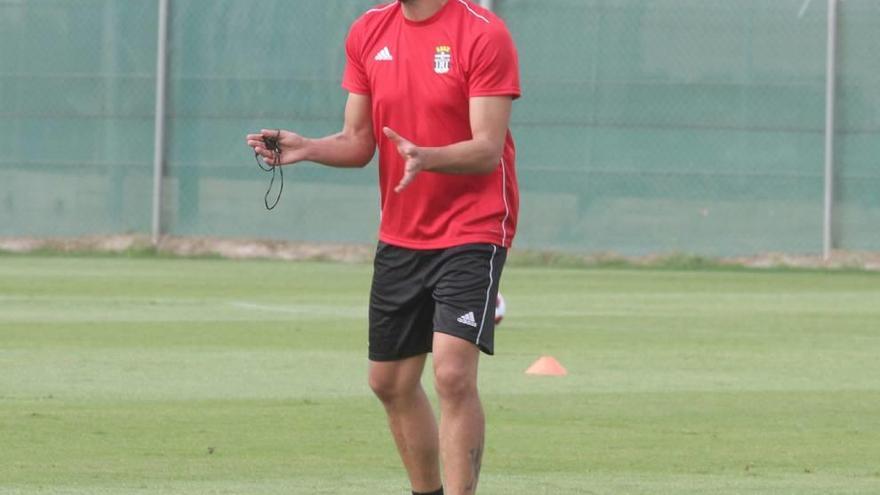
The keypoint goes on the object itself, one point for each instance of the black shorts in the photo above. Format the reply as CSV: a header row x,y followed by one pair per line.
x,y
418,292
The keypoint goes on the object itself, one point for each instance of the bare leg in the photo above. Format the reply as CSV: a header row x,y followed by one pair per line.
x,y
462,423
398,386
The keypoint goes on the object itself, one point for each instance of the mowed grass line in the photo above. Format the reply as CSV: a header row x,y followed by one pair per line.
x,y
211,376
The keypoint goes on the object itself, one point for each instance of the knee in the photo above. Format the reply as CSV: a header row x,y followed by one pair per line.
x,y
388,388
453,384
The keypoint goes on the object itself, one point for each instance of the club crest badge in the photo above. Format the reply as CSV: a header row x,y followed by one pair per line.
x,y
442,59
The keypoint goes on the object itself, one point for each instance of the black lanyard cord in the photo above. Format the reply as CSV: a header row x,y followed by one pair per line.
x,y
272,144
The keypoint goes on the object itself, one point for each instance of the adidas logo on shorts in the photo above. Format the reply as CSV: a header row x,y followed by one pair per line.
x,y
468,319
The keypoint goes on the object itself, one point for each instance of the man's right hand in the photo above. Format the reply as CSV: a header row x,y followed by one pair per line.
x,y
353,147
292,146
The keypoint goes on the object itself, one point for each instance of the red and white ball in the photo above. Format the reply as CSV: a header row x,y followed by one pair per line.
x,y
500,308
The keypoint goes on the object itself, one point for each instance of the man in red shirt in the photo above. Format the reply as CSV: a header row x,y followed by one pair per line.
x,y
431,84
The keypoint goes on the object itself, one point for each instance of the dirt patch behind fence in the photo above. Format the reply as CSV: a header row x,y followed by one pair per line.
x,y
360,253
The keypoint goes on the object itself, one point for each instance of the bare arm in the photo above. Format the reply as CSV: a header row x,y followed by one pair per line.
x,y
353,147
489,119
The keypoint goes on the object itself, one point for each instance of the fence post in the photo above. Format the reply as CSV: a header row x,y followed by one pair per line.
x,y
159,130
830,106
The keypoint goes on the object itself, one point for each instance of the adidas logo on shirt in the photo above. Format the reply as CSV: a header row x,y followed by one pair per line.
x,y
384,55
468,319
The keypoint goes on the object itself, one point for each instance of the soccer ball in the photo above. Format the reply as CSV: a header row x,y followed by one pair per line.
x,y
500,308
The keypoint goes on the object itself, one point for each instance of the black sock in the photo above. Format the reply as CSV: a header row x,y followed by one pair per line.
x,y
438,492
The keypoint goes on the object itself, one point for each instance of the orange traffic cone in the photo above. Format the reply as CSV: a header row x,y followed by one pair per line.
x,y
548,366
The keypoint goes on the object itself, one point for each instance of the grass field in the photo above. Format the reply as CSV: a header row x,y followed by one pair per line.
x,y
173,376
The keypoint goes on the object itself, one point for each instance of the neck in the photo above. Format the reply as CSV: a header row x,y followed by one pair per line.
x,y
419,10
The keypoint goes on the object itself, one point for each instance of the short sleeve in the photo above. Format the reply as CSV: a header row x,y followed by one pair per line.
x,y
494,68
354,79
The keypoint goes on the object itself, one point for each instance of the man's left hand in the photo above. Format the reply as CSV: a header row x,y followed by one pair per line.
x,y
415,157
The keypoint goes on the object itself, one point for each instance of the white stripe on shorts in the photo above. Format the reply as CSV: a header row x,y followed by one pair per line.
x,y
488,293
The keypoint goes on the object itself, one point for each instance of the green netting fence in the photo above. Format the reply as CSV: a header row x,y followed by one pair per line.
x,y
646,126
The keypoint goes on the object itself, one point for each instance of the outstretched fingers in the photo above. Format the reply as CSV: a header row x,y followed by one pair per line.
x,y
393,136
408,177
404,146
414,162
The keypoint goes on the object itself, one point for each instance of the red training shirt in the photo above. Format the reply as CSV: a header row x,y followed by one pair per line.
x,y
420,76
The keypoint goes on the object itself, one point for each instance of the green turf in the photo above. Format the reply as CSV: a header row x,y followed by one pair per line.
x,y
136,376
